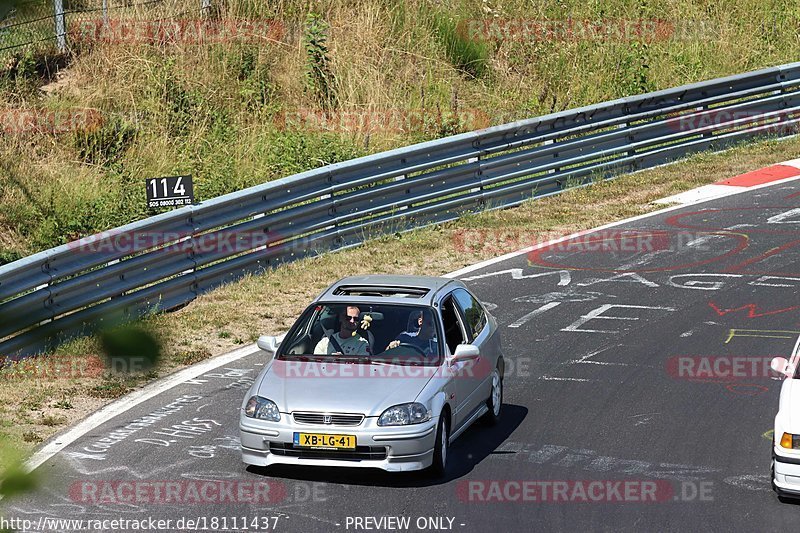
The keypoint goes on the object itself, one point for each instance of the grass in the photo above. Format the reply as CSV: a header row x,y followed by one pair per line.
x,y
466,53
217,111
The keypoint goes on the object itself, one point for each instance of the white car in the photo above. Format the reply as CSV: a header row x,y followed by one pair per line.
x,y
786,440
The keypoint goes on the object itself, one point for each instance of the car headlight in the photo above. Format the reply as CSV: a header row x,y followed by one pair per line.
x,y
790,441
404,414
263,409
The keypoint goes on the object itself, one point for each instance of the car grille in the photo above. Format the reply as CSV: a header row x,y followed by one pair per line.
x,y
361,453
337,419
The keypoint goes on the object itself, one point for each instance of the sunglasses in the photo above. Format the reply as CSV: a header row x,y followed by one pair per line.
x,y
349,318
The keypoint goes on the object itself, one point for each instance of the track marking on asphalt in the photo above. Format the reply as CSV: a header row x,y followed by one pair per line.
x,y
556,378
597,314
594,461
495,260
645,418
114,409
584,360
765,333
532,314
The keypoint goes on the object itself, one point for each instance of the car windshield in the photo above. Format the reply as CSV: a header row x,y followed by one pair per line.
x,y
365,333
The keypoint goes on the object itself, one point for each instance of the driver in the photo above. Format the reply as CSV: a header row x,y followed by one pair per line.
x,y
424,338
345,342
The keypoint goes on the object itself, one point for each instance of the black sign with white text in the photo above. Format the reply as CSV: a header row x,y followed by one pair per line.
x,y
170,191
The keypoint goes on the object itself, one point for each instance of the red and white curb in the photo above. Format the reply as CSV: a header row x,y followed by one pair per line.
x,y
771,174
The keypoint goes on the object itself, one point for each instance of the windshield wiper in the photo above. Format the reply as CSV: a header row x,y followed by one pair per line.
x,y
350,358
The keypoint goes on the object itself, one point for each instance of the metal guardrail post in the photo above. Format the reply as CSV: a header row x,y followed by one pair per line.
x,y
61,26
707,111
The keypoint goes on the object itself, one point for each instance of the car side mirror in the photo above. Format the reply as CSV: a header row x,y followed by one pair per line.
x,y
268,343
781,366
466,352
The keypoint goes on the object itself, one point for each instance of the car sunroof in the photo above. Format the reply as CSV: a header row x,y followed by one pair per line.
x,y
386,292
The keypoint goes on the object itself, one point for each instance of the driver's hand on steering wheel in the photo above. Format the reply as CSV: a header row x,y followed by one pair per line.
x,y
393,344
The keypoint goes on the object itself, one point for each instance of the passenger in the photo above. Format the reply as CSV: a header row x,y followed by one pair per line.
x,y
424,338
346,341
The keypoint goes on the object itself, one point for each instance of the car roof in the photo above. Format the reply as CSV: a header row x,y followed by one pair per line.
x,y
419,290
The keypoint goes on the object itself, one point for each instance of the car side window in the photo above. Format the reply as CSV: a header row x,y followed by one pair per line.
x,y
453,330
472,310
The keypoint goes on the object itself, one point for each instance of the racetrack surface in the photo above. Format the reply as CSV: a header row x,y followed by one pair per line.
x,y
618,345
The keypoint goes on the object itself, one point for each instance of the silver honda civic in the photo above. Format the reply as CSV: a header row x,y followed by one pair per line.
x,y
378,372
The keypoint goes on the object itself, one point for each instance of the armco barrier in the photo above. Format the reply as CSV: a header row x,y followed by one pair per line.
x,y
68,291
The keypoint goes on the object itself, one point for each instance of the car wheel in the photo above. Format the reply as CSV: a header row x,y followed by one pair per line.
x,y
495,401
440,450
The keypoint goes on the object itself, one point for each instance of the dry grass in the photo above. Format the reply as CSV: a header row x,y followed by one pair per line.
x,y
222,320
213,110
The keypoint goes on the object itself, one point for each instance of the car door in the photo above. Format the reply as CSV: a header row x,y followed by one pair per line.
x,y
478,372
455,333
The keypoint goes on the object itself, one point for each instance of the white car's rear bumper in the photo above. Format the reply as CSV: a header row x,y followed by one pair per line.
x,y
394,449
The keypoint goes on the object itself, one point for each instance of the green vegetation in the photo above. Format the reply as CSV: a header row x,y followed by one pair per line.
x,y
319,78
303,90
467,53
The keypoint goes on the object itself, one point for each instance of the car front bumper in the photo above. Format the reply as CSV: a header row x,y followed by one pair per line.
x,y
393,449
787,473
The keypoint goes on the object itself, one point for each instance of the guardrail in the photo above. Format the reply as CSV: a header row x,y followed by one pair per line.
x,y
166,261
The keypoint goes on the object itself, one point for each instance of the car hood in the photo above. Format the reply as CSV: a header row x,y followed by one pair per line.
x,y
790,406
342,387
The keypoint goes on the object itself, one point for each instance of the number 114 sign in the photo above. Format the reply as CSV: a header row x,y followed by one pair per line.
x,y
170,191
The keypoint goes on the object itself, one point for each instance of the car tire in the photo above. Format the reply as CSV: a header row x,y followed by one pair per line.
x,y
495,400
441,448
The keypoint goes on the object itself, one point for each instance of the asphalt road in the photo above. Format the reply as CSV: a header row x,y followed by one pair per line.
x,y
617,346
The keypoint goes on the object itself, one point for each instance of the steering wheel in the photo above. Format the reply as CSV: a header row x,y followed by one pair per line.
x,y
409,345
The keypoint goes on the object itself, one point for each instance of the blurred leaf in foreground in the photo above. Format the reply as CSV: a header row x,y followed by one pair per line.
x,y
130,349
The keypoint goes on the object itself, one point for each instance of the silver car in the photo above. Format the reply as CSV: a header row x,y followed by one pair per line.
x,y
378,372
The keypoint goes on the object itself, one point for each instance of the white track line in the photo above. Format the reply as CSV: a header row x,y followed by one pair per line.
x,y
116,408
